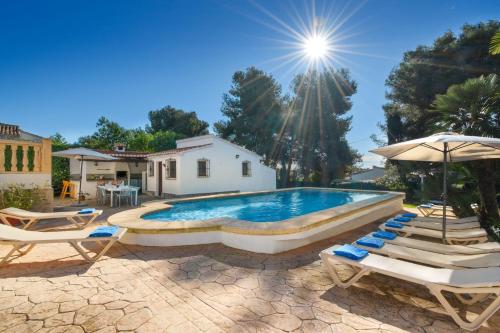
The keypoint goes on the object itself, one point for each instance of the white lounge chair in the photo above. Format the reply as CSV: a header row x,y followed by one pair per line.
x,y
489,247
439,225
458,261
28,219
448,220
468,236
19,239
480,282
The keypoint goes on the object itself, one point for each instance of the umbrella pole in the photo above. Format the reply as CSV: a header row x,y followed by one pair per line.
x,y
445,188
81,176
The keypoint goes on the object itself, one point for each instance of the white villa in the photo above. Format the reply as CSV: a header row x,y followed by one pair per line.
x,y
207,164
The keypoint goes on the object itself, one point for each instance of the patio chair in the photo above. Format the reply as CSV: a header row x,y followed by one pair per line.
x,y
476,283
80,219
126,194
430,258
102,195
19,239
468,236
488,247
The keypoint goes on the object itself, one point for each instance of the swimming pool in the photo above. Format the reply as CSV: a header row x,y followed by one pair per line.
x,y
268,207
264,222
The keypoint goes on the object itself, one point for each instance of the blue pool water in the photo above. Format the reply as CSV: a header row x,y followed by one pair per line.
x,y
270,207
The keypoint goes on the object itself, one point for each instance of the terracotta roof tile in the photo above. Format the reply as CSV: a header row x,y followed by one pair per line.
x,y
8,129
124,154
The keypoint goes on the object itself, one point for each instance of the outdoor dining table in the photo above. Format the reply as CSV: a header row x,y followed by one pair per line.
x,y
113,189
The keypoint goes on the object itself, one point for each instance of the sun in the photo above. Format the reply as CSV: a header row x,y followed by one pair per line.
x,y
316,47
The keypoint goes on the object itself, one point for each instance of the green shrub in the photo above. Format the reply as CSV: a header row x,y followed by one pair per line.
x,y
391,179
8,158
19,157
20,197
31,158
60,172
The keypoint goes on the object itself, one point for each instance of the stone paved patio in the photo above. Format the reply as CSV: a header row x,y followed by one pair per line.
x,y
207,289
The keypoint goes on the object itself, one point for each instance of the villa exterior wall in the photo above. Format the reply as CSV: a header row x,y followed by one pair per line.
x,y
151,182
225,172
225,169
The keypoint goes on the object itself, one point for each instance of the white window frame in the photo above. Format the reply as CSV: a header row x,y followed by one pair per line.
x,y
168,170
207,167
249,169
151,168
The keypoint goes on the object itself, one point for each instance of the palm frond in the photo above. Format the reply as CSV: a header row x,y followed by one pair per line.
x,y
495,44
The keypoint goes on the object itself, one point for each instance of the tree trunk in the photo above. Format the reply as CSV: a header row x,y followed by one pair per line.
x,y
325,175
283,174
487,191
289,170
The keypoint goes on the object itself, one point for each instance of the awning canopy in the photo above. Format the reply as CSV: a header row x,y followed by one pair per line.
x,y
82,154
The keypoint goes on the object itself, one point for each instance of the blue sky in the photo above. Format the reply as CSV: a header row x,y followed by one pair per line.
x,y
63,64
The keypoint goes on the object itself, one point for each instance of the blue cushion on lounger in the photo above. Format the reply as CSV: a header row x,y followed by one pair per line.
x,y
106,231
393,220
410,215
402,219
87,211
370,242
394,225
351,252
384,234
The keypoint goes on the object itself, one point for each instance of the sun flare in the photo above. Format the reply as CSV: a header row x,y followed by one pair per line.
x,y
316,47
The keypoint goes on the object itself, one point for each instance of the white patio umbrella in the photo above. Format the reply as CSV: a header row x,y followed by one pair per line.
x,y
443,147
82,154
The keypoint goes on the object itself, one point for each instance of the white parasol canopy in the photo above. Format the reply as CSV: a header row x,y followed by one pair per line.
x,y
431,149
443,147
82,154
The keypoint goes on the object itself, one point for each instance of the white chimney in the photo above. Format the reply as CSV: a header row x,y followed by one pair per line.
x,y
119,147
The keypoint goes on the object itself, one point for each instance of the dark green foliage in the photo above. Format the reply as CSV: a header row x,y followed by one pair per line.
x,y
321,102
167,125
306,130
495,44
163,140
107,135
473,108
31,158
253,108
427,71
430,70
175,120
7,164
60,165
19,158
